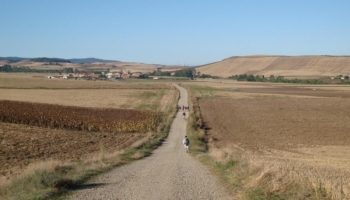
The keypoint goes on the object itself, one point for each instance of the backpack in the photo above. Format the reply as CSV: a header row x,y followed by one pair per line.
x,y
187,141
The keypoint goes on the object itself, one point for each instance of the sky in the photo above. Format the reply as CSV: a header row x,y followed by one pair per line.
x,y
168,32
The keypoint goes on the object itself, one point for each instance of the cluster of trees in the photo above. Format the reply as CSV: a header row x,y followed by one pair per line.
x,y
159,73
272,78
341,76
207,76
186,73
52,60
9,68
144,76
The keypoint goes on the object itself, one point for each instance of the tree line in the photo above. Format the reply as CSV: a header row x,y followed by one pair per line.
x,y
273,79
52,60
10,69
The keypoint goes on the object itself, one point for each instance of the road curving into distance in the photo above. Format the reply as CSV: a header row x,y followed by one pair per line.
x,y
169,173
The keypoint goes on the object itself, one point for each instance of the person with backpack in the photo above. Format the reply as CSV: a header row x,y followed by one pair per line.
x,y
186,143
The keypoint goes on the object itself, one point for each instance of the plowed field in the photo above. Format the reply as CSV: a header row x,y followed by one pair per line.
x,y
282,123
21,145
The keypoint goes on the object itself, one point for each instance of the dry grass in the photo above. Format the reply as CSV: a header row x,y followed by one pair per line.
x,y
104,98
40,81
136,95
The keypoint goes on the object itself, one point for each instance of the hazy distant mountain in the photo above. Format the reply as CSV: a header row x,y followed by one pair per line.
x,y
44,59
90,60
74,60
14,59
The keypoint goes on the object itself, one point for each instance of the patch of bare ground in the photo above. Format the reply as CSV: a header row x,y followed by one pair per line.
x,y
22,145
286,138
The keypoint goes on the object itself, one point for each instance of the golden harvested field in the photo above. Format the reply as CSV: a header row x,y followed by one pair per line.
x,y
135,95
297,132
104,98
299,66
40,81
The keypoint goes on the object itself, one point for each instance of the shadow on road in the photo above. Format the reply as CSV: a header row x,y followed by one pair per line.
x,y
86,186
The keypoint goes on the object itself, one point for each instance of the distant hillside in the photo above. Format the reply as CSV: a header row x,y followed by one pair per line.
x,y
13,59
44,59
279,65
90,60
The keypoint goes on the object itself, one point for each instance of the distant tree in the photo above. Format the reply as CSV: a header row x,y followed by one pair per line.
x,y
68,70
143,76
185,73
7,68
346,77
251,78
235,77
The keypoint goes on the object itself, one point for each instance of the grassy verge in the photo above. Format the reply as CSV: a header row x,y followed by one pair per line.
x,y
239,173
54,180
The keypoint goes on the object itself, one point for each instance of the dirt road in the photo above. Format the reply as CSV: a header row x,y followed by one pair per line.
x,y
169,173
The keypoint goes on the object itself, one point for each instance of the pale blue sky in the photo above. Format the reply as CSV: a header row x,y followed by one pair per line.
x,y
190,32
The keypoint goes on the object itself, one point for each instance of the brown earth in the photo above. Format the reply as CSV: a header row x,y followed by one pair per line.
x,y
299,136
293,66
22,145
277,123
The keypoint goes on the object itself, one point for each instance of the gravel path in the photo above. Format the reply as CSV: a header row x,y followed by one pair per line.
x,y
169,173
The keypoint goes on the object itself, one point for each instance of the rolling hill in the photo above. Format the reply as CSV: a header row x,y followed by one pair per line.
x,y
288,66
42,59
97,65
90,60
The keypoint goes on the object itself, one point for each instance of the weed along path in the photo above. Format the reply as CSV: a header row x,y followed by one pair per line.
x,y
169,173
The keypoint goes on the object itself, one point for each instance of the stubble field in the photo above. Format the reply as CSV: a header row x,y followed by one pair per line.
x,y
286,132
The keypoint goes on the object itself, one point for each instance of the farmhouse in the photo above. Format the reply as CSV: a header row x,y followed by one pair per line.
x,y
109,75
124,76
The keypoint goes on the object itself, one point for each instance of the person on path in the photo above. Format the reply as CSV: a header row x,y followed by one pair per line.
x,y
186,143
184,115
